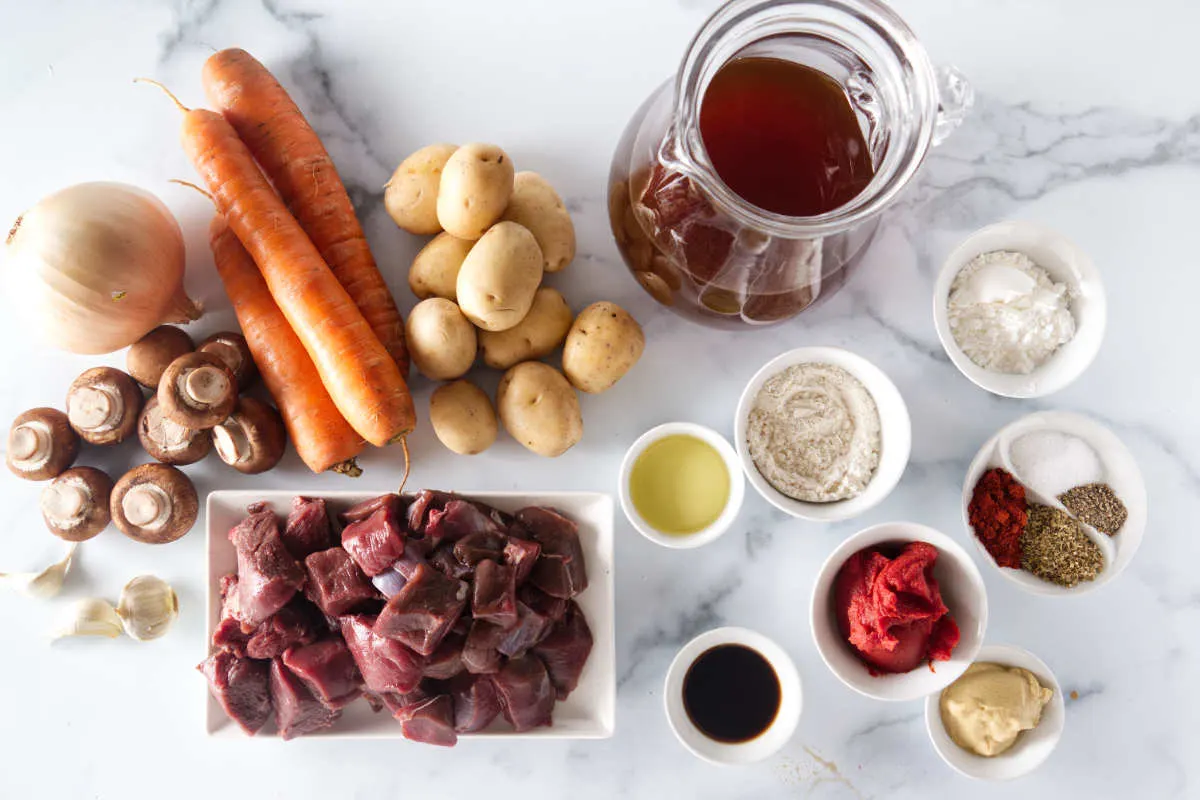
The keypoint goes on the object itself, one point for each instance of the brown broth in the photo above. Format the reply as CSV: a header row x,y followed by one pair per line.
x,y
784,137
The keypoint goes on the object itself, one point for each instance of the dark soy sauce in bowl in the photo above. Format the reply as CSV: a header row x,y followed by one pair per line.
x,y
731,693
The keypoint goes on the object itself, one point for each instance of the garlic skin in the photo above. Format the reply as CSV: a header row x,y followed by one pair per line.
x,y
45,584
96,266
147,608
89,617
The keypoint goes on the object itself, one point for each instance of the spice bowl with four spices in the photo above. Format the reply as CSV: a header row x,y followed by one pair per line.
x,y
1032,746
1056,503
1020,309
956,581
822,433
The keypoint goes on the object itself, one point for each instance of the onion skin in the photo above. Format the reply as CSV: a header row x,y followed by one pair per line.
x,y
96,266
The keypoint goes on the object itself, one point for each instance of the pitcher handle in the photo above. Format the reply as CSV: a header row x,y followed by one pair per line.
x,y
955,98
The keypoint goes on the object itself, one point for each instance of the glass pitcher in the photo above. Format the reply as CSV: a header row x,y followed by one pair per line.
x,y
705,252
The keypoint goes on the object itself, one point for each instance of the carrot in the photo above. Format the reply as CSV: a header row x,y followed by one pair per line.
x,y
291,154
322,437
361,378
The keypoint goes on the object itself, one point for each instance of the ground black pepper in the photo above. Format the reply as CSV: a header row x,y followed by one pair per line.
x,y
1097,505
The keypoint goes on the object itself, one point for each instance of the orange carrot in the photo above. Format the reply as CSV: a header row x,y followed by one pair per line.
x,y
291,154
361,378
322,437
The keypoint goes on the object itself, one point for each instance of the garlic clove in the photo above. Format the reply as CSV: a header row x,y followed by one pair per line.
x,y
89,617
44,584
148,607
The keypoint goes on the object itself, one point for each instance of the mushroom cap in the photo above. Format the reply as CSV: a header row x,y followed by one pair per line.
x,y
197,391
231,347
154,491
103,405
46,430
170,442
149,357
75,505
253,439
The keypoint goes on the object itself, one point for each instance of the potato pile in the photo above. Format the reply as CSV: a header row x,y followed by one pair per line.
x,y
498,232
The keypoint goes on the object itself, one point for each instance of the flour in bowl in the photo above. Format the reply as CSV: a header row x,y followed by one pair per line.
x,y
1007,314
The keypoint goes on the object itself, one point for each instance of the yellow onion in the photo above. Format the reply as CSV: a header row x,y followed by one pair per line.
x,y
96,266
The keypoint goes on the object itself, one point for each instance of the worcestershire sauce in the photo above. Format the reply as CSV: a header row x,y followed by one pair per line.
x,y
731,693
784,136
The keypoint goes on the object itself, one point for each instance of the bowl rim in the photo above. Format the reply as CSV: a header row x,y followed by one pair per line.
x,y
904,686
964,762
1068,263
895,434
766,744
733,506
1026,581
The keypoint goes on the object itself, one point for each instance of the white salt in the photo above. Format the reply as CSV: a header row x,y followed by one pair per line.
x,y
1053,462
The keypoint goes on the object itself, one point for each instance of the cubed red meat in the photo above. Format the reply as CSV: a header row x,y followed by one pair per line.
x,y
328,669
307,530
297,710
385,664
421,613
525,692
377,542
495,594
335,583
565,651
240,686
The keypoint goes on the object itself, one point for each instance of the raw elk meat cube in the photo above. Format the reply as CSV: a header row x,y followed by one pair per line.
x,y
521,555
476,547
479,655
297,623
458,520
553,607
443,560
429,721
307,528
297,711
446,661
422,613
495,594
335,583
394,702
268,576
385,664
376,542
565,651
475,702
560,570
530,629
426,501
229,634
525,692
359,512
328,669
240,686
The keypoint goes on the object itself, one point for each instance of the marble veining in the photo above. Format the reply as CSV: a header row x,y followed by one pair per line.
x,y
1113,162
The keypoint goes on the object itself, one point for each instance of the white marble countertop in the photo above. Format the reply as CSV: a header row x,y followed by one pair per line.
x,y
1085,121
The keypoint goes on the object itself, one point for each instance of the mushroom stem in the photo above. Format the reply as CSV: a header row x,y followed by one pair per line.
x,y
231,441
65,503
95,408
147,506
29,444
204,386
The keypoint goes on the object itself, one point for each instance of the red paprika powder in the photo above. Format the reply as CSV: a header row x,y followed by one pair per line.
x,y
998,515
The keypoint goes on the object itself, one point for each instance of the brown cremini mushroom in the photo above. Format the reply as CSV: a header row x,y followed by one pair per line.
x,y
75,505
197,391
103,405
41,444
252,440
149,357
170,442
231,348
154,503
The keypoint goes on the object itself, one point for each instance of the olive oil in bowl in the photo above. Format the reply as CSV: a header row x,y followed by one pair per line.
x,y
680,484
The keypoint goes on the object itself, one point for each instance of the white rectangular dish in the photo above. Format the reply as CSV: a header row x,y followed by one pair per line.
x,y
590,711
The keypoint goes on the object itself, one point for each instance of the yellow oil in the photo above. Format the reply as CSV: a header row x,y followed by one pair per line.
x,y
679,484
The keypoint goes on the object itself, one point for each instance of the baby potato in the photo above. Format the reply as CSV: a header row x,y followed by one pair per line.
x,y
539,408
499,277
463,418
434,272
440,339
536,336
538,207
476,185
410,195
603,344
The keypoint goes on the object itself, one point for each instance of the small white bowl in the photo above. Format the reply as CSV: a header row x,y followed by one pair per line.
x,y
962,590
1065,263
765,744
1122,474
895,434
737,486
1031,749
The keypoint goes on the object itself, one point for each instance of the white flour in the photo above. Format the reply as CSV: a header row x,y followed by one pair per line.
x,y
1006,313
